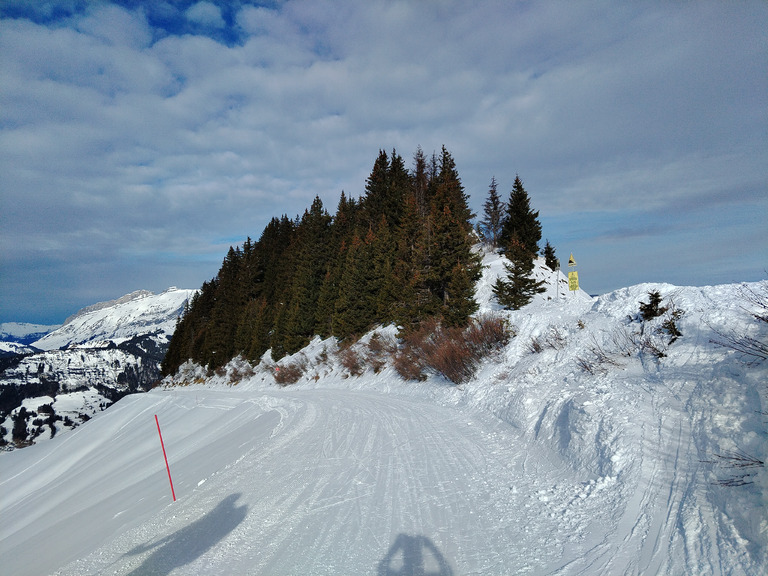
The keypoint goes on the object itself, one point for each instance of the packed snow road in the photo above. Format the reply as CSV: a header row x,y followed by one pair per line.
x,y
320,481
314,482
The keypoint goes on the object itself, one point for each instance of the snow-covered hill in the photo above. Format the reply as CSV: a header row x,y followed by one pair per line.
x,y
24,332
591,444
140,312
100,354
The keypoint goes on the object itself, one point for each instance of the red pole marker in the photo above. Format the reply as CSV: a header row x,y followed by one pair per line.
x,y
166,458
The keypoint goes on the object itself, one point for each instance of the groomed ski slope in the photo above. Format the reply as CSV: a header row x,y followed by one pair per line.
x,y
534,467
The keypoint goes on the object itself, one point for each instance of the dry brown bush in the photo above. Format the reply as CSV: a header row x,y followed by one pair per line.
x,y
351,361
453,353
288,374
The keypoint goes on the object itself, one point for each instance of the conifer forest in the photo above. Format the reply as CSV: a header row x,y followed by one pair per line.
x,y
400,254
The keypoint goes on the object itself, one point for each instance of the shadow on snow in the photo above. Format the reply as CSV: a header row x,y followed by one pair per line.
x,y
413,556
191,542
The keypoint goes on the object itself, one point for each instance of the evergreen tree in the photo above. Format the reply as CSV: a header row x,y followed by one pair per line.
x,y
356,305
518,288
549,256
521,222
420,179
310,266
451,242
489,227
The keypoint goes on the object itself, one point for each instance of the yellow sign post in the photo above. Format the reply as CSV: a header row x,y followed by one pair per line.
x,y
573,281
573,276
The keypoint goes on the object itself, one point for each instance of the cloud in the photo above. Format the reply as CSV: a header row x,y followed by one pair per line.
x,y
147,134
116,26
205,14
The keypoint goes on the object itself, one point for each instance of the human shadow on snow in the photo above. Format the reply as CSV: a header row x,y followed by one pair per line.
x,y
413,556
192,541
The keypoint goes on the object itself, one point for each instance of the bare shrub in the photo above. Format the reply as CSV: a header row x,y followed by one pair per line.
x,y
742,467
535,345
624,342
288,373
488,332
598,358
240,372
379,350
408,364
590,365
555,339
452,357
454,353
350,359
752,350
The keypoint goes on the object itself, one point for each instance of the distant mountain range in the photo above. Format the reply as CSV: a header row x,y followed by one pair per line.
x,y
55,377
23,333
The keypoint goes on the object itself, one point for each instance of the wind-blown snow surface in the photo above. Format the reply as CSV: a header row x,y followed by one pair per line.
x,y
536,466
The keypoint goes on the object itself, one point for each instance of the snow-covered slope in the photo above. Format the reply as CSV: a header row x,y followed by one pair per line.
x,y
591,444
140,312
24,332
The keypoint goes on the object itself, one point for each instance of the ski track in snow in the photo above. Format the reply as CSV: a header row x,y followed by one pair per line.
x,y
326,482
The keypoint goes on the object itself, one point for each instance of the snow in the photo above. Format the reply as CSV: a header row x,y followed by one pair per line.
x,y
12,331
137,313
13,348
535,466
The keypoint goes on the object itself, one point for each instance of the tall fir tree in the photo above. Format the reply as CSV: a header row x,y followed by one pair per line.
x,y
520,221
308,275
356,305
490,226
451,244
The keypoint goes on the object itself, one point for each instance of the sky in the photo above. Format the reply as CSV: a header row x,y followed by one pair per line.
x,y
139,140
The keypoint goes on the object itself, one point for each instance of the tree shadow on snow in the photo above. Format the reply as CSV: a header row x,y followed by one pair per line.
x,y
413,556
191,542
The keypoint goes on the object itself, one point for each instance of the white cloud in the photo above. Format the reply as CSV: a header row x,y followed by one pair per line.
x,y
117,26
205,14
184,141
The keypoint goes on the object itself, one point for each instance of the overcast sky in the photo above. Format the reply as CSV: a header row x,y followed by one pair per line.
x,y
139,140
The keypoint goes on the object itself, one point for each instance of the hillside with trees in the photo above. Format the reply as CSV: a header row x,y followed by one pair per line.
x,y
400,254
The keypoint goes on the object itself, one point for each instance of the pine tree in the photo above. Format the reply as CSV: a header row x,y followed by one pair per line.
x,y
489,227
451,242
549,256
341,231
521,222
309,272
356,305
518,288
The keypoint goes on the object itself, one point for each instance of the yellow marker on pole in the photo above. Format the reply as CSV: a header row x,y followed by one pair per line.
x,y
573,276
573,281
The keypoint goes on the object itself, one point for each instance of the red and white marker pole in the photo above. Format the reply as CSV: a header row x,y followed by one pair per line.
x,y
166,457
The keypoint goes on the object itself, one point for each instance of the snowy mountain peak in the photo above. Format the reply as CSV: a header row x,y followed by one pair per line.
x,y
140,312
108,304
